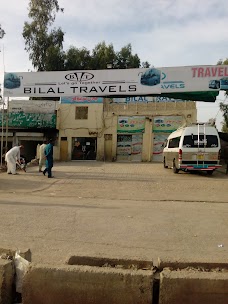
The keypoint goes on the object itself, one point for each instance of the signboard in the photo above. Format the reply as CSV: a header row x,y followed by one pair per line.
x,y
166,124
131,124
193,78
134,99
30,120
79,99
144,99
32,106
91,83
121,82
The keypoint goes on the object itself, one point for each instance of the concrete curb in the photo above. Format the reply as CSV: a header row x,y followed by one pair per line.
x,y
193,287
87,285
6,281
160,264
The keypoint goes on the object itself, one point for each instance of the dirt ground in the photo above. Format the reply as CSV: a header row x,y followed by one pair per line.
x,y
115,210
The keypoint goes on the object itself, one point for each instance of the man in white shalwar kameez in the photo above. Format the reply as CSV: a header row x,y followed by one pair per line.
x,y
13,156
42,157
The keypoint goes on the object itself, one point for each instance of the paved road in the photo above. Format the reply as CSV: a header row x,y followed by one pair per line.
x,y
115,210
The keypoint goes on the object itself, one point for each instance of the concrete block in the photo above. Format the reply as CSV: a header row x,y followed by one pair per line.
x,y
193,287
10,253
177,264
87,285
6,281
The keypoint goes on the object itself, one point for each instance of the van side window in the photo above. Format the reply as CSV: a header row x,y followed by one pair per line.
x,y
191,141
174,142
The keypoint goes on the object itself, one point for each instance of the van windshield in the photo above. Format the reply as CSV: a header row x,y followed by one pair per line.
x,y
191,141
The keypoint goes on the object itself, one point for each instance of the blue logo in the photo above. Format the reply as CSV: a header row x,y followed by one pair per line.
x,y
163,76
151,77
11,81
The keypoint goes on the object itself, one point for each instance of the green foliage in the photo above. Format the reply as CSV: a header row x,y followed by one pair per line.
x,y
2,32
45,45
125,58
102,55
224,108
40,42
222,62
224,128
77,59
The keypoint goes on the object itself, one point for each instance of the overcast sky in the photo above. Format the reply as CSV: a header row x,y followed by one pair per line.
x,y
163,32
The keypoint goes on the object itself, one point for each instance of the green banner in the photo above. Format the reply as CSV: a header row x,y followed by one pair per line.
x,y
29,120
166,124
131,124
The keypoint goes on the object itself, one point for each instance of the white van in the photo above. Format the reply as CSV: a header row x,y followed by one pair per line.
x,y
194,147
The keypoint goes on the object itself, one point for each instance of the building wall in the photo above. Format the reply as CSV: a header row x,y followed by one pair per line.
x,y
70,127
103,120
150,110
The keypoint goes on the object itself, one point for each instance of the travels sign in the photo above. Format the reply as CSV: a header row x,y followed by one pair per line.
x,y
96,83
117,83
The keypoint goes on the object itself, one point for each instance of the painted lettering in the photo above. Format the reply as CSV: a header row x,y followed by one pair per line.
x,y
120,89
102,90
93,89
74,88
83,89
200,72
27,91
50,90
132,88
194,72
220,71
211,72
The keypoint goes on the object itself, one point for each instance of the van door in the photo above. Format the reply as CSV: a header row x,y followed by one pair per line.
x,y
173,151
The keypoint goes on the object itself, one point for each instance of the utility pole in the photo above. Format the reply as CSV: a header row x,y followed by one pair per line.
x,y
2,33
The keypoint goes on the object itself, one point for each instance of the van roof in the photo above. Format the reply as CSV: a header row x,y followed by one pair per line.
x,y
187,130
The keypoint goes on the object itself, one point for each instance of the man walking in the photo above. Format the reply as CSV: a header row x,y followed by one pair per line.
x,y
12,157
42,157
48,151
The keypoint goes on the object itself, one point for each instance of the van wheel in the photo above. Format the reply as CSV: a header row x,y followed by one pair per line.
x,y
164,164
175,170
210,172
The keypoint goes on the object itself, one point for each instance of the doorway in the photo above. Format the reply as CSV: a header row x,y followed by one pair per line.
x,y
63,149
129,147
84,148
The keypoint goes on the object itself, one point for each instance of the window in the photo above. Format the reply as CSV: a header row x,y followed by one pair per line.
x,y
81,113
191,141
174,142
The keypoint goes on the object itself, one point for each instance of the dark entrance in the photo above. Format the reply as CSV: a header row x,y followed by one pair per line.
x,y
84,148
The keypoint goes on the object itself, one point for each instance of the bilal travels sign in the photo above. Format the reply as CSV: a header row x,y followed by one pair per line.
x,y
95,83
122,82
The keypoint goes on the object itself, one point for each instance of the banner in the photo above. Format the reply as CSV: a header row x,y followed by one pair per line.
x,y
121,82
166,123
131,124
32,106
144,99
193,78
78,99
30,120
83,83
